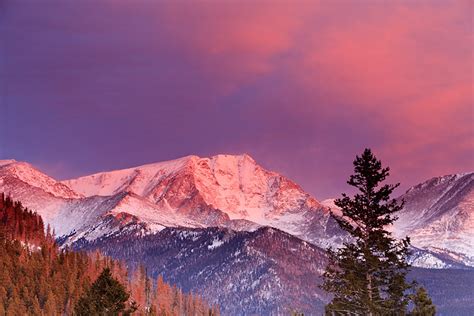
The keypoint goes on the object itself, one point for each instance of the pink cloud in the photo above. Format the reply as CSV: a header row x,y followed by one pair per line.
x,y
407,67
235,42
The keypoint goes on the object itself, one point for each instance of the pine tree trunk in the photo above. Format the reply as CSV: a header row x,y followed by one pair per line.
x,y
369,292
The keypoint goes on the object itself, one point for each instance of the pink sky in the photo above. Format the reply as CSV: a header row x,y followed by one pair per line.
x,y
301,86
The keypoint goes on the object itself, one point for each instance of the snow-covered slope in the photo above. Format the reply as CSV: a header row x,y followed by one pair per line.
x,y
98,217
139,180
34,189
224,190
262,272
439,216
236,186
234,192
33,177
71,214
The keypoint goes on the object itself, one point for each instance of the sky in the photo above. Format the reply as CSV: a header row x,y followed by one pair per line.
x,y
302,87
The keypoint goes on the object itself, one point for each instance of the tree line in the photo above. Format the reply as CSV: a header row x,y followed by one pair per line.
x,y
38,278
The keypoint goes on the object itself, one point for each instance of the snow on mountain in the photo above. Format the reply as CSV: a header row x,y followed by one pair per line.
x,y
73,215
234,192
28,174
423,258
139,180
7,161
225,187
263,272
224,190
37,195
439,215
105,216
329,203
234,184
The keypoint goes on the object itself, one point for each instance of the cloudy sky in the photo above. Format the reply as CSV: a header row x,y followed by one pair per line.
x,y
92,85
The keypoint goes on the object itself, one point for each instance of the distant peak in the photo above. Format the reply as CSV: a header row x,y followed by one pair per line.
x,y
18,165
329,202
188,157
439,180
7,162
247,157
239,157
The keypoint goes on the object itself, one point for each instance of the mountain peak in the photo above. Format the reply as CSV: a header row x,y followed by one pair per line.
x,y
221,190
141,179
7,162
28,174
233,184
240,157
439,212
445,180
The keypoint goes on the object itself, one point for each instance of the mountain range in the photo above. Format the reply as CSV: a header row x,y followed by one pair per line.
x,y
226,227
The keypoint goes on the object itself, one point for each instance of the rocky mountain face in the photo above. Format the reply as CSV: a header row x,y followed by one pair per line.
x,y
224,190
77,216
237,193
439,216
204,224
264,272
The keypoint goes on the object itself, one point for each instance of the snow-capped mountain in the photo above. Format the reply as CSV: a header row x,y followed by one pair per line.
x,y
76,216
34,189
234,184
26,173
223,190
233,192
203,223
439,216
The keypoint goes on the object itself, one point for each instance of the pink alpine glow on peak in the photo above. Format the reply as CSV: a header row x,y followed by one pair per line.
x,y
7,162
27,173
223,190
234,184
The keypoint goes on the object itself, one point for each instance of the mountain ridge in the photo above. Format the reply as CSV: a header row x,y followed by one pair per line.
x,y
217,190
175,218
224,190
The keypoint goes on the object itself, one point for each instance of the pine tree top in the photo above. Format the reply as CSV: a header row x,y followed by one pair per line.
x,y
367,275
371,209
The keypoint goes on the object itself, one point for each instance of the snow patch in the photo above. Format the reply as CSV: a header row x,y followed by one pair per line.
x,y
216,242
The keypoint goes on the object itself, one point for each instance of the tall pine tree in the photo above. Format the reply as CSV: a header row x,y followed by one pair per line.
x,y
106,297
367,276
423,304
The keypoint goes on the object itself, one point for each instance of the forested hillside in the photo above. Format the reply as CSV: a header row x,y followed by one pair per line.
x,y
37,278
17,222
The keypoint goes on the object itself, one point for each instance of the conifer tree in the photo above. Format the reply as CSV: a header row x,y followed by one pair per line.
x,y
50,306
106,297
423,304
367,276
